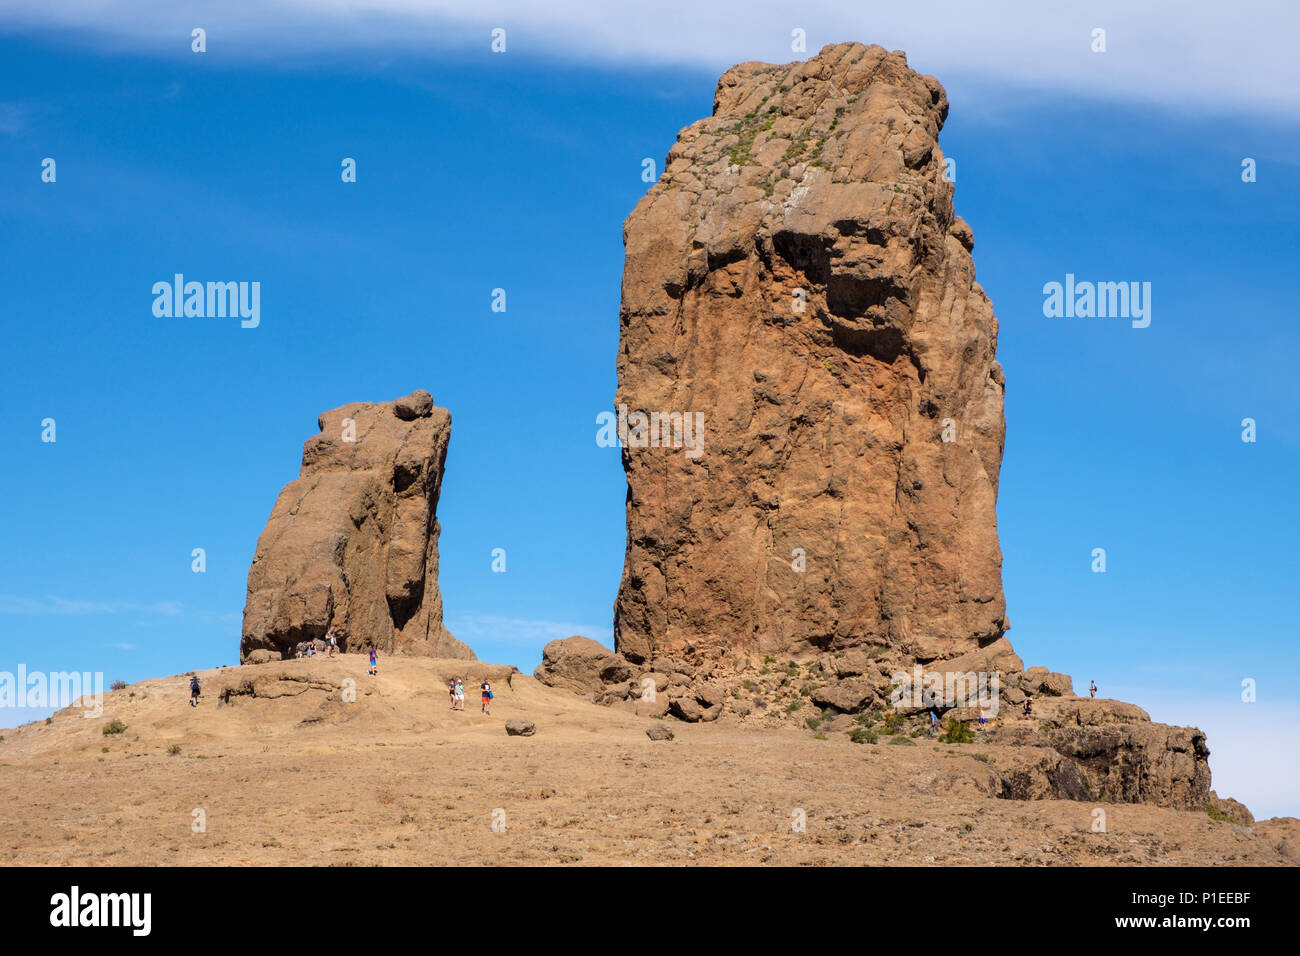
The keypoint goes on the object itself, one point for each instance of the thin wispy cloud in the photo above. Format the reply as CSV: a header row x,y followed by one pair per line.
x,y
522,632
1194,58
59,606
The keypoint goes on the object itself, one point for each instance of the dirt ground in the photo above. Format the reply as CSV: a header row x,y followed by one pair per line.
x,y
397,778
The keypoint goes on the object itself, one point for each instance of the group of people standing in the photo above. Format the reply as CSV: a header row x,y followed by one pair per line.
x,y
455,687
308,648
456,695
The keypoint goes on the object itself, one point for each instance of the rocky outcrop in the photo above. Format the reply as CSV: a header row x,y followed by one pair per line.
x,y
811,417
352,543
1116,748
799,288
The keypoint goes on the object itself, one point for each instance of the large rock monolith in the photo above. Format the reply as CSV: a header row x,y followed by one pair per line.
x,y
352,543
799,302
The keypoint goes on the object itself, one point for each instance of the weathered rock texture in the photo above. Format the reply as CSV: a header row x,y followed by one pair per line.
x,y
798,277
352,544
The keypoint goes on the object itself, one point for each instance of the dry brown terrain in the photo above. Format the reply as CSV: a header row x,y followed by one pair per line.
x,y
396,778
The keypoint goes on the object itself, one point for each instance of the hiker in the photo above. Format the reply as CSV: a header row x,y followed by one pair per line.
x,y
460,694
1092,688
374,661
194,691
311,648
934,723
451,694
331,643
1029,706
486,690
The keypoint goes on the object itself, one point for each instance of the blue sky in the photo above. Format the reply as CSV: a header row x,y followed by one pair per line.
x,y
478,171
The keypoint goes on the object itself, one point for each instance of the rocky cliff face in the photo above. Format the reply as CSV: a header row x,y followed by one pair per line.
x,y
798,288
353,542
812,420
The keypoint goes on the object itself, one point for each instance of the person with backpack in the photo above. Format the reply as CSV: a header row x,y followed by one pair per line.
x,y
460,694
331,643
451,694
1092,690
195,689
374,661
486,690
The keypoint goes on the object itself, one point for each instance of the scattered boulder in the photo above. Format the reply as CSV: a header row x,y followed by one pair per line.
x,y
997,657
1041,681
848,696
659,732
518,727
419,404
687,709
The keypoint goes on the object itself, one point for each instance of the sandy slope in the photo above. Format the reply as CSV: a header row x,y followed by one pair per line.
x,y
396,778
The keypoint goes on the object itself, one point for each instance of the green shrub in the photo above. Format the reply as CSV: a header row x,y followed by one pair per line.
x,y
174,749
905,741
893,722
812,722
114,726
958,732
117,685
861,735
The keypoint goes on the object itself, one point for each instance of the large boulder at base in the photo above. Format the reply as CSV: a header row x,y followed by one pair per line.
x,y
809,402
581,665
352,543
518,727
